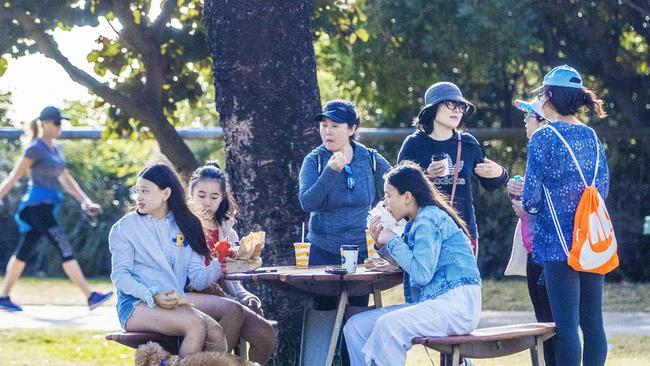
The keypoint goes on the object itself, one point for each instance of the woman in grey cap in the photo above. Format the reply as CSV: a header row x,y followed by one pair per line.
x,y
449,156
38,207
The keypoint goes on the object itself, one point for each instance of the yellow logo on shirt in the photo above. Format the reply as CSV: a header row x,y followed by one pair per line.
x,y
180,240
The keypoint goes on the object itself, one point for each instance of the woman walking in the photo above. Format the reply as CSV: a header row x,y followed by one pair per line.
x,y
36,213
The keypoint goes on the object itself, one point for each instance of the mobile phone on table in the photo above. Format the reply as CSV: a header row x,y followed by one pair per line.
x,y
336,270
264,270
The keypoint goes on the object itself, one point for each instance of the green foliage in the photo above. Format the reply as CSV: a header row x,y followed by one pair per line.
x,y
494,50
5,105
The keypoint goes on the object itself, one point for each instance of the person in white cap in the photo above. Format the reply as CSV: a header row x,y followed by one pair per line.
x,y
533,120
38,207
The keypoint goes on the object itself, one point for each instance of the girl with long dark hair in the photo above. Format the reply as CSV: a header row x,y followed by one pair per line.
x,y
155,251
442,285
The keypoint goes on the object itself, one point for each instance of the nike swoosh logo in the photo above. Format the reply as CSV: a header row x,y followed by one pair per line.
x,y
590,259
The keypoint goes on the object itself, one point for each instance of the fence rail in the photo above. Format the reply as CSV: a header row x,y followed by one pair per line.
x,y
365,133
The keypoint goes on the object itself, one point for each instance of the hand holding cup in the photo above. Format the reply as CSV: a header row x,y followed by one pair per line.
x,y
439,166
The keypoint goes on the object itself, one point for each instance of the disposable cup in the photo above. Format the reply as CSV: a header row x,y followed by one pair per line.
x,y
370,244
349,257
302,254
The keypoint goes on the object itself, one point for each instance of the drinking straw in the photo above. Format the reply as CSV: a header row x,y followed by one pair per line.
x,y
303,232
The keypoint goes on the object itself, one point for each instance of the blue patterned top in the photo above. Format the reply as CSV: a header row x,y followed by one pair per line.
x,y
550,164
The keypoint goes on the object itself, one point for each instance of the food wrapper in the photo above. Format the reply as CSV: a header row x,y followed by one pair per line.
x,y
381,265
250,246
181,299
242,265
396,227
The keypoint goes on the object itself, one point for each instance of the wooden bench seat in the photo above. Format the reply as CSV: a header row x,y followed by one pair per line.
x,y
135,339
170,343
492,342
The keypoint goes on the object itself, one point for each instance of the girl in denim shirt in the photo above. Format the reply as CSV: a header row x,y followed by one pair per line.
x,y
442,284
575,297
155,251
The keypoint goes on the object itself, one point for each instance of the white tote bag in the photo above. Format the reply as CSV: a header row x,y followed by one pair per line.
x,y
518,255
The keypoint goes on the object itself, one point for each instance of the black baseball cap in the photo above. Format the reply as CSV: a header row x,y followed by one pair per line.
x,y
339,111
51,113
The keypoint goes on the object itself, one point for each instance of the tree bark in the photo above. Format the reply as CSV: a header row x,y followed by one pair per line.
x,y
267,95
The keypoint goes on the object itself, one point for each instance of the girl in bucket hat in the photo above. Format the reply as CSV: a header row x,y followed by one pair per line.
x,y
575,297
449,156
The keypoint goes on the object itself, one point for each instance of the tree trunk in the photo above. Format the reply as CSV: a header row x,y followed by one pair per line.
x,y
267,95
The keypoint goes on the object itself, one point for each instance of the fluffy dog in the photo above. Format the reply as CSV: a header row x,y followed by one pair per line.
x,y
152,354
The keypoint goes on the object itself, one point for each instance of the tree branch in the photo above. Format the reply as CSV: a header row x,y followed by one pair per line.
x,y
48,46
640,9
146,45
161,22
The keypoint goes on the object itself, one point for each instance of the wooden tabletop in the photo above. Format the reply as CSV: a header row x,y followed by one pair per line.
x,y
315,281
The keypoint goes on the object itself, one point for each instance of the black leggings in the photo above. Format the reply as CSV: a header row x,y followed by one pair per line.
x,y
41,219
541,305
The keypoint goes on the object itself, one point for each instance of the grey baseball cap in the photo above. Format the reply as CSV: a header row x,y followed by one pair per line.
x,y
442,91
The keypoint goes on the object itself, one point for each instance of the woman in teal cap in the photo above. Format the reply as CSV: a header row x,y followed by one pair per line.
x,y
38,207
554,185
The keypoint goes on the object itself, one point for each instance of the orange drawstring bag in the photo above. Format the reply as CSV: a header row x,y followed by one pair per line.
x,y
594,245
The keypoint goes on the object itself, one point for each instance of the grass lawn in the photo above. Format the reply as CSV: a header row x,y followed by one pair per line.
x,y
61,348
511,294
76,348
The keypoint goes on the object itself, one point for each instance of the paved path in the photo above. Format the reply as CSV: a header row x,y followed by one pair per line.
x,y
104,318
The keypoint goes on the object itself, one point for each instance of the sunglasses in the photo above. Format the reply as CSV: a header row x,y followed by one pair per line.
x,y
349,180
453,104
537,117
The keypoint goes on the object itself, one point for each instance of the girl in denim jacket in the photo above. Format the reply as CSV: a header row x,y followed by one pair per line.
x,y
442,284
155,250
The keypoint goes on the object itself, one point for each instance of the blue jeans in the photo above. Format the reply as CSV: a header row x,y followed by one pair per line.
x,y
576,300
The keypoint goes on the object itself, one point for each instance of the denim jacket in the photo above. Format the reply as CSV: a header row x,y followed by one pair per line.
x,y
150,255
435,255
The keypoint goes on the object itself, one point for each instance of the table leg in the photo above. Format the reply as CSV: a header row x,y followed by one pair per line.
x,y
308,304
343,302
376,295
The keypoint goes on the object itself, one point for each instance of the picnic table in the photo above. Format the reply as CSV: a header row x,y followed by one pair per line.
x,y
321,329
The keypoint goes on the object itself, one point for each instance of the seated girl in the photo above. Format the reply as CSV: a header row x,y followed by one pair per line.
x,y
210,195
442,284
155,250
